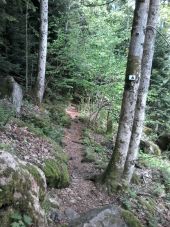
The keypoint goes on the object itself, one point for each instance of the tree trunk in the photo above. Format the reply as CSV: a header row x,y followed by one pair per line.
x,y
42,50
114,171
143,89
26,47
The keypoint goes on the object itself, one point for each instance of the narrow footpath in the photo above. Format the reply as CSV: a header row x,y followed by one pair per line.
x,y
82,194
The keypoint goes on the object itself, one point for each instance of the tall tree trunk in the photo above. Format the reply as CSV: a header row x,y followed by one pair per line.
x,y
114,171
42,50
26,47
143,89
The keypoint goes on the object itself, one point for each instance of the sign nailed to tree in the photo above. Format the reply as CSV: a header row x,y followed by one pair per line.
x,y
132,77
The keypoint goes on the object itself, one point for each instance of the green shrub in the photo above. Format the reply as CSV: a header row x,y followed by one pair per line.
x,y
18,220
5,115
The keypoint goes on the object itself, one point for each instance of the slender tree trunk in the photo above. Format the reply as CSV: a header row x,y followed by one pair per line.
x,y
114,171
42,50
26,47
143,89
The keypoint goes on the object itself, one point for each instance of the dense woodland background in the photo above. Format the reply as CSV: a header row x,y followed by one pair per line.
x,y
87,51
88,45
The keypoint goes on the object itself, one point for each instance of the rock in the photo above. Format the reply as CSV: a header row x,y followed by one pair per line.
x,y
71,214
108,216
56,169
164,141
149,147
22,189
12,89
56,173
17,95
53,202
56,216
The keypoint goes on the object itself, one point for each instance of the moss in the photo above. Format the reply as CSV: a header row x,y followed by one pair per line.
x,y
136,179
46,205
55,169
89,155
59,153
156,149
38,178
150,147
166,179
130,219
43,126
5,215
56,173
148,205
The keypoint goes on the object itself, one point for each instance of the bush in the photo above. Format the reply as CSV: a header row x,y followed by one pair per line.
x,y
5,115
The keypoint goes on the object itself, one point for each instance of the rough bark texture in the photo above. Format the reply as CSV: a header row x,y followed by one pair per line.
x,y
12,89
143,89
17,95
42,50
115,168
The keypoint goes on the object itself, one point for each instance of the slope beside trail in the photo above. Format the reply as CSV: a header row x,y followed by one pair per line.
x,y
82,194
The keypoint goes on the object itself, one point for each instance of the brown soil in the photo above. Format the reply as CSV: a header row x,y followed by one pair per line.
x,y
82,194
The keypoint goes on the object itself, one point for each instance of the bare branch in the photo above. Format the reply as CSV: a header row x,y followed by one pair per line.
x,y
164,37
97,5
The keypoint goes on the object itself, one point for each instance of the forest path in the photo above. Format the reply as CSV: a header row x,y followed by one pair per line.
x,y
82,194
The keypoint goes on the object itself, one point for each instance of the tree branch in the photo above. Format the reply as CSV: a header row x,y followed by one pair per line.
x,y
164,37
96,5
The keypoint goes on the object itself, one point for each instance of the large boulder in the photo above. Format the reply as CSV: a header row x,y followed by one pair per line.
x,y
164,142
108,216
149,147
11,88
22,190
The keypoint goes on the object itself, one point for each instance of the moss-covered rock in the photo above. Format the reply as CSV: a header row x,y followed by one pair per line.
x,y
40,179
56,169
56,173
130,219
89,155
149,147
107,216
20,189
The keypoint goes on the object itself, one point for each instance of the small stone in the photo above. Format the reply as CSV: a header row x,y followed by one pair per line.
x,y
56,216
26,157
71,214
54,203
72,201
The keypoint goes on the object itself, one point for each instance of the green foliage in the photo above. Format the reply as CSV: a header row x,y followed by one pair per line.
x,y
87,56
130,219
154,162
13,40
48,121
161,164
158,112
19,220
94,151
5,114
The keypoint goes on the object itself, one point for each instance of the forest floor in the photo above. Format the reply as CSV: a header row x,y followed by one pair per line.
x,y
82,194
148,197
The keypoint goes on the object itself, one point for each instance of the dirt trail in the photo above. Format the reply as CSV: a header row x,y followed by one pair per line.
x,y
82,194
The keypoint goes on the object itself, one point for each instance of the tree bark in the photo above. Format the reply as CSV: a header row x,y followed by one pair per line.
x,y
143,89
26,47
114,170
42,50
